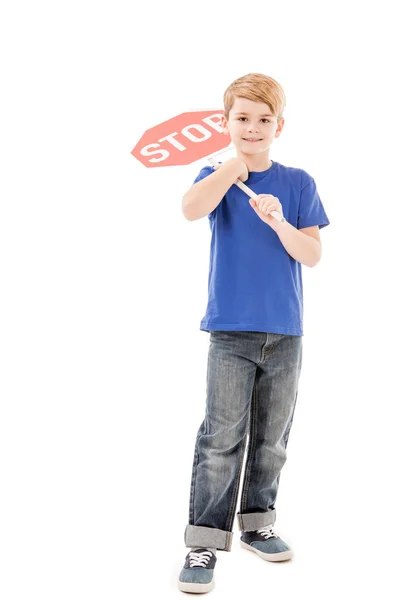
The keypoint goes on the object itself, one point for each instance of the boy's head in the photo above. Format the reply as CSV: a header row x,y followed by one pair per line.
x,y
246,102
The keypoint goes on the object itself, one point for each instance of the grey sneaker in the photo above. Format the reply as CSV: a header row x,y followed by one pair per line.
x,y
266,544
198,571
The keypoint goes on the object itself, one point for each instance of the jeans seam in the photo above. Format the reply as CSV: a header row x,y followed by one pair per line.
x,y
194,476
290,423
229,523
252,445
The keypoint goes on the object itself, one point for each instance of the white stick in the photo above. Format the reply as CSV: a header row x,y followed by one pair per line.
x,y
277,215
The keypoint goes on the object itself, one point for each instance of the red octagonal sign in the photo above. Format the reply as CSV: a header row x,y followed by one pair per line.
x,y
182,140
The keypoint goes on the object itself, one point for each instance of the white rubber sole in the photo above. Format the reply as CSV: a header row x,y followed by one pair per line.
x,y
195,588
276,557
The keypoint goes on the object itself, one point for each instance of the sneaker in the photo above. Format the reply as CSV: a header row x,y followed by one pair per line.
x,y
198,570
266,544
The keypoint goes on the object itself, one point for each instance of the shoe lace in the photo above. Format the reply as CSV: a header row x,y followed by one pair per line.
x,y
267,531
199,559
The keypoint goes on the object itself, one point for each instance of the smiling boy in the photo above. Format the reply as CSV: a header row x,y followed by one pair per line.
x,y
255,319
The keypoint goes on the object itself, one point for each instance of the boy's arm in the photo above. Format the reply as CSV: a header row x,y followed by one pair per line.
x,y
201,199
304,245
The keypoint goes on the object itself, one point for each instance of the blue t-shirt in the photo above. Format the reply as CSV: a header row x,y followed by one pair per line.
x,y
253,283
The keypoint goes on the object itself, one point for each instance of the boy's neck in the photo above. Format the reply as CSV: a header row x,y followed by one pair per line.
x,y
256,162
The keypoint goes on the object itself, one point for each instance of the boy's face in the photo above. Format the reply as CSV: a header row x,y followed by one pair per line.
x,y
254,124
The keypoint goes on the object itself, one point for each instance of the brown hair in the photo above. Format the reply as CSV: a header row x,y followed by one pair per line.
x,y
259,88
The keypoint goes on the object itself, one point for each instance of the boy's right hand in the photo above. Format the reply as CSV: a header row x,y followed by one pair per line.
x,y
244,172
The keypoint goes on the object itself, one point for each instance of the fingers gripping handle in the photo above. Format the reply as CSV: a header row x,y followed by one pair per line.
x,y
248,191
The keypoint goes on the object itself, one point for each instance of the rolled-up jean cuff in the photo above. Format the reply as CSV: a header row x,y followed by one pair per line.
x,y
208,537
253,521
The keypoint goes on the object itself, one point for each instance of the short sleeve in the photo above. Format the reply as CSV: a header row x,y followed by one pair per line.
x,y
311,209
205,171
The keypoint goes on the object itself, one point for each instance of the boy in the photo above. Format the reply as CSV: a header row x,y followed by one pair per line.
x,y
255,320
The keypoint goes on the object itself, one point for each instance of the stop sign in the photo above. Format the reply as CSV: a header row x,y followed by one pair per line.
x,y
182,140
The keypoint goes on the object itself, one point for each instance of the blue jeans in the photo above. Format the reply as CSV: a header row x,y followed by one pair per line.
x,y
252,381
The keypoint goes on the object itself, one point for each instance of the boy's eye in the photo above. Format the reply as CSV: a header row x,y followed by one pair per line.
x,y
261,119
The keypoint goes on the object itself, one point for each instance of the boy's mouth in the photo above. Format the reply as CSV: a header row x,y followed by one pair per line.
x,y
252,139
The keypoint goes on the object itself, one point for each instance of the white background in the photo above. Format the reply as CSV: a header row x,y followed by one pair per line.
x,y
104,283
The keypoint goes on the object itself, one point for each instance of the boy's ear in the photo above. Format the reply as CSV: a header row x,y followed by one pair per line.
x,y
224,124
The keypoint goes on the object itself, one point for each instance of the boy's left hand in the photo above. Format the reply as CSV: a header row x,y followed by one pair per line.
x,y
263,205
